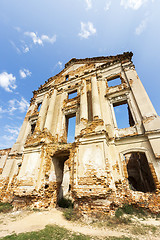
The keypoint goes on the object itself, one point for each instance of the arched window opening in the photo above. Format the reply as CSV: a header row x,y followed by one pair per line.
x,y
67,77
139,174
39,106
33,126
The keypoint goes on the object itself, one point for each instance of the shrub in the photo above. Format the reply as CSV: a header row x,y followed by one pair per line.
x,y
127,209
65,203
5,207
118,213
69,214
130,210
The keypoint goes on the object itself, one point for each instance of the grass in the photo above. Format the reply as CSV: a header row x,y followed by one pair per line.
x,y
57,233
111,222
5,207
130,209
118,238
69,214
143,229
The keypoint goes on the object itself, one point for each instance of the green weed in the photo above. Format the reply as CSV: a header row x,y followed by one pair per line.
x,y
5,207
130,209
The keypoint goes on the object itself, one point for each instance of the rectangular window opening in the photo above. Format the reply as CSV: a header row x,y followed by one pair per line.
x,y
114,82
70,127
123,115
72,94
33,125
39,106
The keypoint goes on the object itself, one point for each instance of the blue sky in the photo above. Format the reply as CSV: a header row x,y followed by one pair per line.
x,y
38,37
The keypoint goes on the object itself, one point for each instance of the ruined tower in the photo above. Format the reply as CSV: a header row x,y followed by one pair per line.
x,y
115,156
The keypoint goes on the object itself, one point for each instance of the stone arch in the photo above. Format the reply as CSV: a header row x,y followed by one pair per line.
x,y
139,170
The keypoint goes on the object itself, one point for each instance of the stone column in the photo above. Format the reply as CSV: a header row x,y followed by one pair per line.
x,y
83,102
42,112
24,131
95,98
50,113
106,114
144,104
150,119
60,117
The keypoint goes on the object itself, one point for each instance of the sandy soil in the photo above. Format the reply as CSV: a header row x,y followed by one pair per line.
x,y
27,221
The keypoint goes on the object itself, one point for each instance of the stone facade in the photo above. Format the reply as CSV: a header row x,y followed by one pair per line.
x,y
106,165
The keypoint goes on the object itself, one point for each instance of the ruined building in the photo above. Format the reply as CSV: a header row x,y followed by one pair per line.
x,y
108,164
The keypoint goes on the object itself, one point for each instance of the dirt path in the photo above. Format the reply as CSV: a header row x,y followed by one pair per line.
x,y
26,221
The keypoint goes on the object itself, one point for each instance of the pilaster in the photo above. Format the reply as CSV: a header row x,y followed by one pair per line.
x,y
50,113
95,98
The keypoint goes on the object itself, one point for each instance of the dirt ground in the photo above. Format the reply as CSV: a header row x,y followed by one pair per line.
x,y
27,221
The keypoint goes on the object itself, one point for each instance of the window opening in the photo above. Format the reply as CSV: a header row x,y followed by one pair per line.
x,y
33,125
123,115
114,82
39,106
72,95
67,77
70,127
139,174
89,104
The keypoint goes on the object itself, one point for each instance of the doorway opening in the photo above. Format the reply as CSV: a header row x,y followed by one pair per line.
x,y
139,174
62,173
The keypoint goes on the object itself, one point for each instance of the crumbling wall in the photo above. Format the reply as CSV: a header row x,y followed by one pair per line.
x,y
97,170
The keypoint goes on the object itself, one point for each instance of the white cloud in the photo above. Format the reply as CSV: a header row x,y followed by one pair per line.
x,y
23,105
8,138
2,111
18,29
141,27
89,4
24,73
12,106
59,64
134,4
40,40
12,133
7,81
25,48
48,39
87,29
35,38
12,130
107,6
15,47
